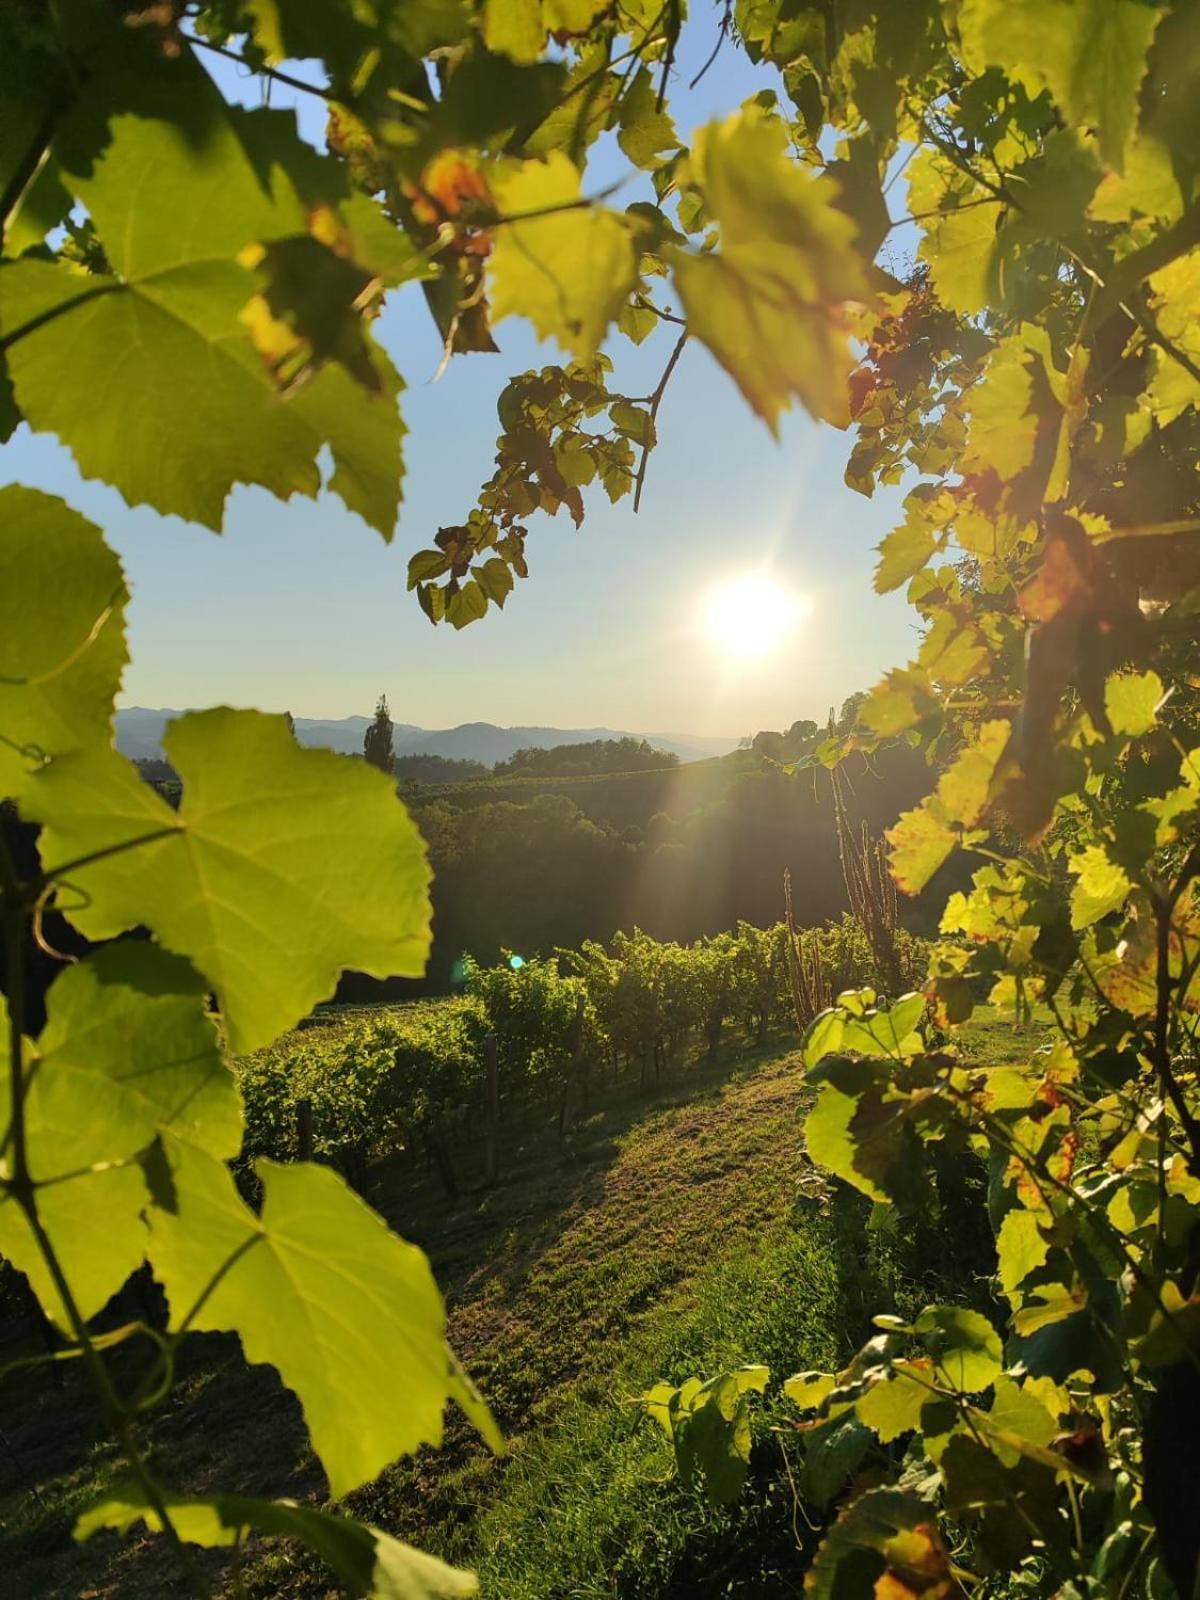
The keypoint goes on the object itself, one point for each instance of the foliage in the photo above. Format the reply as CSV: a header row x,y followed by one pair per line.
x,y
534,864
595,755
1037,372
421,767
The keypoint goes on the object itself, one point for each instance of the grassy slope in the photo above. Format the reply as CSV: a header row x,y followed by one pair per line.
x,y
684,1234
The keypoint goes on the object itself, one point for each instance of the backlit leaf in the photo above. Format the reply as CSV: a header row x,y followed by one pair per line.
x,y
1100,886
771,301
62,641
281,867
1090,54
1131,700
568,271
320,1288
127,1053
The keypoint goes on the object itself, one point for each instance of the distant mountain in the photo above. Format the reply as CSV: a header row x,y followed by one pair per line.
x,y
140,732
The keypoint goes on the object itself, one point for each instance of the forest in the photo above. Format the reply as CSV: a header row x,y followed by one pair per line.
x,y
774,1175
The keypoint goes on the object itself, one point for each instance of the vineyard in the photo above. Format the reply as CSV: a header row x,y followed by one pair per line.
x,y
538,1038
901,1305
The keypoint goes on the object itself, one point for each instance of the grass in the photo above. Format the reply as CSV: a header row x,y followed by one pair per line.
x,y
677,1234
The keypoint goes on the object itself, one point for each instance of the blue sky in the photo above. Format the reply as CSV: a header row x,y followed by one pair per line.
x,y
301,606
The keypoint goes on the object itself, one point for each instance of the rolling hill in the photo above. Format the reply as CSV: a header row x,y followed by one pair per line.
x,y
140,731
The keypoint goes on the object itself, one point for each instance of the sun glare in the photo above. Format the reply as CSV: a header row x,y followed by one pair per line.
x,y
750,616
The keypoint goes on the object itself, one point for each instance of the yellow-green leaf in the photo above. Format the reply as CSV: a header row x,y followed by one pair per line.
x,y
62,640
1131,701
319,1287
1101,886
281,867
771,301
568,271
127,1053
1090,54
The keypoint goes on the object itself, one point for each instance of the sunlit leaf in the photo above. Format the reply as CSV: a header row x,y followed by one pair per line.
x,y
771,301
62,641
320,1288
281,867
567,268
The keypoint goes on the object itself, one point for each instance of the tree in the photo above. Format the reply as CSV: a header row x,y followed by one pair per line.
x,y
378,748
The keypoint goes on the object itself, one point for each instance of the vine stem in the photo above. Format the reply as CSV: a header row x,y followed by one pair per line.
x,y
23,1190
655,402
1164,909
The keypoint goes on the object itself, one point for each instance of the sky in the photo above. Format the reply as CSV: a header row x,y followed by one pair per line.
x,y
298,605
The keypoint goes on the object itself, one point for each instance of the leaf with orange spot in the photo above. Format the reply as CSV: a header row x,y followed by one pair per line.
x,y
891,1548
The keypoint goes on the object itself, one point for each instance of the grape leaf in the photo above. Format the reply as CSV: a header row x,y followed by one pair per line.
x,y
959,219
963,1344
281,867
127,1052
922,839
62,640
367,1562
1020,1248
1101,886
191,409
903,553
1131,700
885,1543
645,131
771,302
893,1406
709,1427
569,271
1090,54
320,1288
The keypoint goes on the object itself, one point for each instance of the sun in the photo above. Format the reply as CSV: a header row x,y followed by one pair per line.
x,y
751,615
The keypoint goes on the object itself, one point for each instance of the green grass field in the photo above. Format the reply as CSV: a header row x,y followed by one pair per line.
x,y
679,1233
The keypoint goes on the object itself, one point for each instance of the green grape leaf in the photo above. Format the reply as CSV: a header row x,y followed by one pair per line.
x,y
126,1054
161,332
568,271
1090,54
919,843
922,839
367,1562
808,1390
959,219
903,553
885,1543
318,1287
1101,886
963,1345
62,639
514,28
1173,387
645,131
1020,1248
1131,701
893,1406
709,1426
771,302
281,867
349,37
830,1141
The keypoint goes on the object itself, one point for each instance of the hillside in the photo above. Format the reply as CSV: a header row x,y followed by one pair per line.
x,y
677,1234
